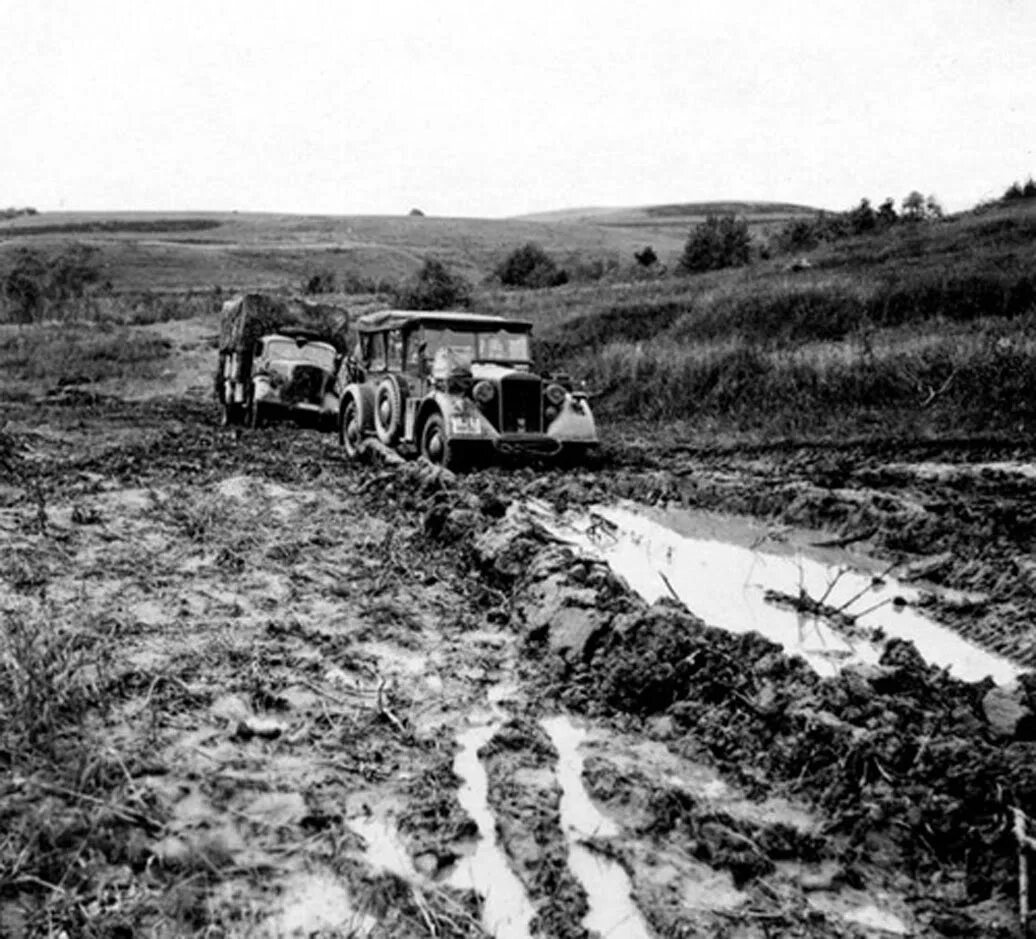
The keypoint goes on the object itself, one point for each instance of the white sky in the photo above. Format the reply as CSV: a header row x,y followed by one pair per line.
x,y
492,108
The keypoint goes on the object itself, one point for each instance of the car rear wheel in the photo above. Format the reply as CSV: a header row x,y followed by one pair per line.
x,y
350,431
436,446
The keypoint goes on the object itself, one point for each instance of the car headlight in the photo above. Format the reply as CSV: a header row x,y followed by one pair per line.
x,y
555,394
465,424
483,392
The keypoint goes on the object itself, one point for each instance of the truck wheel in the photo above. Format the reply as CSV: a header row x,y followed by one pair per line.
x,y
231,413
256,414
350,430
436,446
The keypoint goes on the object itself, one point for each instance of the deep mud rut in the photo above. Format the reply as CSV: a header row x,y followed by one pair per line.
x,y
356,700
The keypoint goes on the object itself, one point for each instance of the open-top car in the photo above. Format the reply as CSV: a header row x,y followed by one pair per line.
x,y
458,387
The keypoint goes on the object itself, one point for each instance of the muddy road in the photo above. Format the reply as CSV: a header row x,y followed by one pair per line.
x,y
254,690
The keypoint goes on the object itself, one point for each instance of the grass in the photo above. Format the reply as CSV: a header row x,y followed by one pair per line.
x,y
35,358
973,379
923,327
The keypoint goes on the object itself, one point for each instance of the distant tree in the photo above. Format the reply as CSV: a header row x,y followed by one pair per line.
x,y
1017,191
932,208
913,206
863,218
797,234
417,213
530,266
433,287
319,282
25,286
720,241
886,215
647,257
72,271
1013,192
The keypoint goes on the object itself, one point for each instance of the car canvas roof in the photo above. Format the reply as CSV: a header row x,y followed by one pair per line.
x,y
392,319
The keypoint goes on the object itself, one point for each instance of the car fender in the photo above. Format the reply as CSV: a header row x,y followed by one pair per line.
x,y
263,390
575,423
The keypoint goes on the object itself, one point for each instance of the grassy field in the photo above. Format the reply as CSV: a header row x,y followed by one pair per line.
x,y
41,357
924,327
170,252
189,251
927,327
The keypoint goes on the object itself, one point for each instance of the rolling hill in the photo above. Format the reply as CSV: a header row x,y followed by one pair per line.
x,y
679,216
191,250
167,251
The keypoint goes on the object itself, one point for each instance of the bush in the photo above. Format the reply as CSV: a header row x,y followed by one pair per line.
x,y
34,281
319,282
1017,191
720,241
530,266
433,287
647,257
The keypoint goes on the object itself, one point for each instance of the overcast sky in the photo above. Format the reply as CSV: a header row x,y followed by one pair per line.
x,y
500,108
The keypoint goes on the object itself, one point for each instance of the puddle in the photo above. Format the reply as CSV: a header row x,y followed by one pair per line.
x,y
724,583
506,910
609,892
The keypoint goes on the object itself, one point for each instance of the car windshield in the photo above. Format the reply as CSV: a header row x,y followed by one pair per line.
x,y
497,346
311,353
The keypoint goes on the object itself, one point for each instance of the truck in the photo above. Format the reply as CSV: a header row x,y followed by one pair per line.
x,y
279,356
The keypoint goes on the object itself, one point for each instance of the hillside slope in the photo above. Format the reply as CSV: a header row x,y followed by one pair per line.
x,y
925,327
657,221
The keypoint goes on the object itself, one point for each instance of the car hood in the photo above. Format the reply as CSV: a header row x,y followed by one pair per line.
x,y
490,371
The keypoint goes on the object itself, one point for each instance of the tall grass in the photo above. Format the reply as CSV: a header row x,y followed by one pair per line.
x,y
77,353
984,378
932,320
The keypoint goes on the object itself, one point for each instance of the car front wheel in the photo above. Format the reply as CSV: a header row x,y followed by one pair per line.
x,y
436,446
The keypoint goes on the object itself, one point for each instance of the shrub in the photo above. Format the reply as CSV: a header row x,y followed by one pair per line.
x,y
1017,191
720,241
530,266
319,282
34,281
433,287
647,257
863,218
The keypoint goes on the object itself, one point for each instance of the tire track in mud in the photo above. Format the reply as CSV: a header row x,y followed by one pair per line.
x,y
302,644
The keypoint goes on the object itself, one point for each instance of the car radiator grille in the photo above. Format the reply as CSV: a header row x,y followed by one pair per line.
x,y
306,385
521,405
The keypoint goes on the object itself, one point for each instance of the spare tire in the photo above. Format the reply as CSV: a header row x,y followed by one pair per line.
x,y
389,399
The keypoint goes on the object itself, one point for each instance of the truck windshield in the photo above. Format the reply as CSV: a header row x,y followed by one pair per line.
x,y
497,346
311,353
